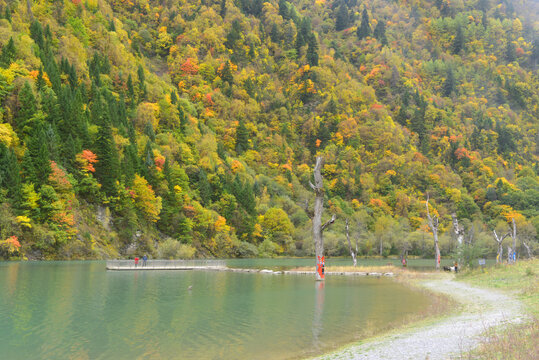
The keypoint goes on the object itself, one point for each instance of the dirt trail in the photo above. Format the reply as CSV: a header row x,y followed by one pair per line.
x,y
445,338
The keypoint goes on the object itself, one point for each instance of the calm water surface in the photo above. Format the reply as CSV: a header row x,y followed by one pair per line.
x,y
60,310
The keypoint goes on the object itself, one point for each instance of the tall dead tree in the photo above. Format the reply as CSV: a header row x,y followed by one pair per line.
x,y
513,232
318,227
353,252
434,224
499,240
459,230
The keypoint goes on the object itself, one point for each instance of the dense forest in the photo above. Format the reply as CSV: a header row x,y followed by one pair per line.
x,y
184,128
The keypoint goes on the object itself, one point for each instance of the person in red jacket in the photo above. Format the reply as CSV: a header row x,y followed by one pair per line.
x,y
136,261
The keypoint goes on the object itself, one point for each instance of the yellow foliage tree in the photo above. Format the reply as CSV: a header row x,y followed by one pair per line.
x,y
145,199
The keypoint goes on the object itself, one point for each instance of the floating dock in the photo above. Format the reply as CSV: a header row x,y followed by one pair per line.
x,y
166,265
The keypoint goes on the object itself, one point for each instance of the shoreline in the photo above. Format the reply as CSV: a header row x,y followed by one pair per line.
x,y
439,337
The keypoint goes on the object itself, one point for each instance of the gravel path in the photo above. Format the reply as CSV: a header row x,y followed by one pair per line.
x,y
448,337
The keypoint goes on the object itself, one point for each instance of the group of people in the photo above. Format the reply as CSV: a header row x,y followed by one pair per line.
x,y
144,260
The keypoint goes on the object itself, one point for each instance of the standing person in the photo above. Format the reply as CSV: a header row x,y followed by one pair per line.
x,y
144,259
456,267
136,261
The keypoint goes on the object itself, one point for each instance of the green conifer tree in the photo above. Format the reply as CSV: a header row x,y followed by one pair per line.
x,y
312,51
7,13
449,83
343,18
27,105
284,10
8,54
39,154
141,84
10,176
380,32
364,29
458,41
107,167
242,138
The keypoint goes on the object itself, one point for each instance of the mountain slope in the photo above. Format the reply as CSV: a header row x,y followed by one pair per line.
x,y
200,121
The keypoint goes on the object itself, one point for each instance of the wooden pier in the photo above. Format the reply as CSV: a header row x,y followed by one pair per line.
x,y
166,265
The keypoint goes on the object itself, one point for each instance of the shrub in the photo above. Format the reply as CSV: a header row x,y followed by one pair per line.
x,y
173,249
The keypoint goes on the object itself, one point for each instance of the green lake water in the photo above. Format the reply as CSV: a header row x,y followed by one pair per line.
x,y
78,310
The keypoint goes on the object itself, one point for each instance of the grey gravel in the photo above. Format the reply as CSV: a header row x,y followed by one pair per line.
x,y
447,338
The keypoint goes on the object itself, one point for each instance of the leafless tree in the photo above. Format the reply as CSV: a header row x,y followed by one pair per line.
x,y
318,227
459,230
499,240
513,233
353,252
434,224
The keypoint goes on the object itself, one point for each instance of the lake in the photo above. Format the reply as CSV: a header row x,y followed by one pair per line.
x,y
60,310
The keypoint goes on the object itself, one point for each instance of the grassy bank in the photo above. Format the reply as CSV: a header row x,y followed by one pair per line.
x,y
515,341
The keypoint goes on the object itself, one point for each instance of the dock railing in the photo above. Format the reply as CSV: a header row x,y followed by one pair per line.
x,y
164,264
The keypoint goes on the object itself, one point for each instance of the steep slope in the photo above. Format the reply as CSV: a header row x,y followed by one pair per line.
x,y
124,123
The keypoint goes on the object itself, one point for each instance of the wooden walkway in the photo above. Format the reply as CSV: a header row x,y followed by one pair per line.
x,y
166,265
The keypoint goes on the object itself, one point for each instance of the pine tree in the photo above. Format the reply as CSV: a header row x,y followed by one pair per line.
x,y
36,32
40,81
39,156
402,116
284,10
364,29
105,148
183,119
27,105
130,91
7,13
173,97
380,32
274,33
142,84
458,41
510,50
10,176
449,83
226,73
312,51
242,138
343,18
8,54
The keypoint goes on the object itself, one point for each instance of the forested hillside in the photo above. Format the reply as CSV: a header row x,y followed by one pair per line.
x,y
190,127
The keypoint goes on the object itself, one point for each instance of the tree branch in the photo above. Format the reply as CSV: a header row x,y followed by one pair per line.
x,y
329,222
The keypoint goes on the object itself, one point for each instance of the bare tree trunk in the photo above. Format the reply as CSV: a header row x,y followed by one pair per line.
x,y
352,252
318,228
514,237
528,250
434,224
459,230
499,240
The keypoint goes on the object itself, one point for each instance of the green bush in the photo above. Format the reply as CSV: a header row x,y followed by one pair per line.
x,y
173,249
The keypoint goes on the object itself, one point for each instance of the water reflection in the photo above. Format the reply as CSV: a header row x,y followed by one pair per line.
x,y
77,309
318,325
